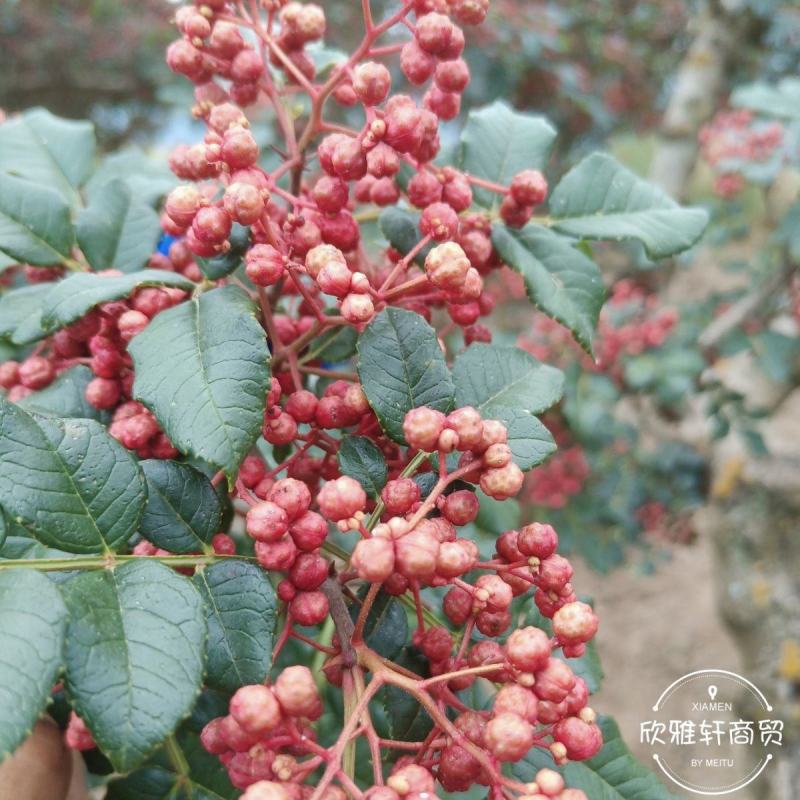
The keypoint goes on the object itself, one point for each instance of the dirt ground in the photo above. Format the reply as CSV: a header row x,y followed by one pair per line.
x,y
654,629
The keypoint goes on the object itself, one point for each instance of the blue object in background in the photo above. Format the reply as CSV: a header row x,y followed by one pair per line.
x,y
165,242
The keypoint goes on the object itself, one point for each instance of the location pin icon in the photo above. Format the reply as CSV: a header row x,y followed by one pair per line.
x,y
712,692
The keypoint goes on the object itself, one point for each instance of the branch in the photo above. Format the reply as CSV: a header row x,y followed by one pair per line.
x,y
341,620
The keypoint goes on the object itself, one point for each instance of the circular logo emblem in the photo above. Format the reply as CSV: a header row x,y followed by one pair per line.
x,y
712,732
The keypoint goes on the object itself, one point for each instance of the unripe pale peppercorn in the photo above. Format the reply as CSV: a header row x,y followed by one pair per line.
x,y
255,709
373,559
550,783
508,736
358,308
439,221
244,203
433,33
400,495
538,539
371,82
582,740
340,499
528,649
416,64
422,428
266,790
575,623
554,681
239,149
503,482
296,691
518,699
529,188
416,554
266,522
447,266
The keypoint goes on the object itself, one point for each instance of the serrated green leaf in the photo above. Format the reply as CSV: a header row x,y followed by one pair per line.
x,y
48,150
20,313
76,295
401,229
149,178
508,384
207,778
406,720
362,459
386,627
559,279
601,199
19,544
401,366
31,639
65,397
68,481
240,612
614,774
117,230
220,266
134,655
149,783
35,226
775,100
208,386
338,344
183,511
498,142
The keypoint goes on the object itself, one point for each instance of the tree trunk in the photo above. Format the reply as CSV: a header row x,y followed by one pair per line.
x,y
755,533
719,35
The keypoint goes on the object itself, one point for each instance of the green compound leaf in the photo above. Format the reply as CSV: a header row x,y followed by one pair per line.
x,y
202,367
386,627
65,397
75,296
401,229
220,266
781,99
134,655
559,279
362,459
20,313
508,384
48,150
601,199
31,640
337,344
183,511
35,226
149,178
67,481
401,366
207,778
118,230
498,142
613,774
240,612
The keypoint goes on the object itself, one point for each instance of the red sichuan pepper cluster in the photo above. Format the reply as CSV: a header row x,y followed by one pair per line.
x,y
305,242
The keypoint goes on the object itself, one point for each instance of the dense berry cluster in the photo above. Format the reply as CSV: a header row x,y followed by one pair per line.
x,y
732,141
408,543
305,266
631,323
